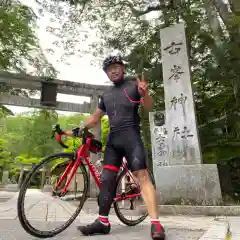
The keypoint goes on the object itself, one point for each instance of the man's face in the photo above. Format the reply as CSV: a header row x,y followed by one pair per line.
x,y
115,72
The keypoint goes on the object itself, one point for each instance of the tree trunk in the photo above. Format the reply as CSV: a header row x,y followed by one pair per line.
x,y
165,13
213,22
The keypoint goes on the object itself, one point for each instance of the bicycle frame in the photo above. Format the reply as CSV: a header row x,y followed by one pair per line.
x,y
82,157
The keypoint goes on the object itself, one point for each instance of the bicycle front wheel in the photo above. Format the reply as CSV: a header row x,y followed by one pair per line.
x,y
52,210
132,205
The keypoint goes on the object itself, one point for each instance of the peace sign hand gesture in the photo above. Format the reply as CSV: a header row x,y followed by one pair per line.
x,y
142,85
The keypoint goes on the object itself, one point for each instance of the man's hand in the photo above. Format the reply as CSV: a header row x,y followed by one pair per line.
x,y
77,132
56,128
142,85
144,91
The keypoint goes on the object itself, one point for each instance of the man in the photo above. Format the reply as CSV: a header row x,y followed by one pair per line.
x,y
121,103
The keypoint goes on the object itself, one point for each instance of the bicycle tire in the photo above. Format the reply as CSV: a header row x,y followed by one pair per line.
x,y
117,209
20,203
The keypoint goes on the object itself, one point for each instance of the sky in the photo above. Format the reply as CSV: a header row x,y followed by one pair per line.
x,y
79,70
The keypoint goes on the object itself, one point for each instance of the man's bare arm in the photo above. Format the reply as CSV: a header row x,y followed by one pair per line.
x,y
91,121
94,119
147,99
147,102
143,90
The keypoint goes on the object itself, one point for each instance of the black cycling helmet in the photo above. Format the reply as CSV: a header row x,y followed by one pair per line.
x,y
112,60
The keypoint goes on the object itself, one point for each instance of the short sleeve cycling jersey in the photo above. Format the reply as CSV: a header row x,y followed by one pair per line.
x,y
122,112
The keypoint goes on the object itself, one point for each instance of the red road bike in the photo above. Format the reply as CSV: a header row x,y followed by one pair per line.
x,y
79,158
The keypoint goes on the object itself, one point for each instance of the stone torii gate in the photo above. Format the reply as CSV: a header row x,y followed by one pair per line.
x,y
24,81
49,89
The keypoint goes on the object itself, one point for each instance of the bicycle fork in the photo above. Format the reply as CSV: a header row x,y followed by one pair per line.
x,y
70,171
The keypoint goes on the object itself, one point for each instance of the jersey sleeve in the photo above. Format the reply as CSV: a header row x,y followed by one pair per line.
x,y
101,104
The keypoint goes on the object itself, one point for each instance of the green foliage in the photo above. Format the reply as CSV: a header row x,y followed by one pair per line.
x,y
213,40
17,39
213,34
4,111
19,47
26,159
26,138
5,155
56,163
104,130
212,30
73,144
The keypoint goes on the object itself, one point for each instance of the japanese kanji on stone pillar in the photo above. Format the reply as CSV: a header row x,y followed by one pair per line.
x,y
183,141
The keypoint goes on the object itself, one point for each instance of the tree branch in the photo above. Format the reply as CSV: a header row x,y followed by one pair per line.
x,y
150,9
138,13
213,21
222,9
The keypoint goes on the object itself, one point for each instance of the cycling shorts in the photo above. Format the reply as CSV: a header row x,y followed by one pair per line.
x,y
125,143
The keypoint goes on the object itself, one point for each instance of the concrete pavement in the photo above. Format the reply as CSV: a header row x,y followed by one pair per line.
x,y
43,210
234,225
11,230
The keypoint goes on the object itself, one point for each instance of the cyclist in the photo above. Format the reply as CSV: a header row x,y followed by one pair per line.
x,y
121,102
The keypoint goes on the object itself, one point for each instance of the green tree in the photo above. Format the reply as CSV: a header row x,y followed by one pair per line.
x,y
30,135
104,130
37,135
5,155
26,138
214,51
19,47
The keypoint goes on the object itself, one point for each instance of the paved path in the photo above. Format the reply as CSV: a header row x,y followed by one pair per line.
x,y
41,208
234,224
11,230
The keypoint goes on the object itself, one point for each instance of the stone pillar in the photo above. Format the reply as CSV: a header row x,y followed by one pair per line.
x,y
43,177
5,177
46,185
159,139
185,180
93,189
179,104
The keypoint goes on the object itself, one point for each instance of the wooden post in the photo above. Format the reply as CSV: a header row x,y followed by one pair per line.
x,y
21,176
43,177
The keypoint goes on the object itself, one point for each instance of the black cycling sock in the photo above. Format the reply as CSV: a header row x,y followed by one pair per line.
x,y
107,191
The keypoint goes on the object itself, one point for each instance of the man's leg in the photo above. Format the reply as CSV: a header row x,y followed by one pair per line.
x,y
149,196
148,192
107,192
135,155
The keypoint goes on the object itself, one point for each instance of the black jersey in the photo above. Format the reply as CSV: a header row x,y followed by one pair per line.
x,y
121,111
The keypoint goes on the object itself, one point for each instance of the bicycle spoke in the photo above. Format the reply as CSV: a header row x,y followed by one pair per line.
x,y
129,205
41,213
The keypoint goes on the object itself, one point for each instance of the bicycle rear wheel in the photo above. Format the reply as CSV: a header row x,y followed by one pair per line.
x,y
122,211
22,196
